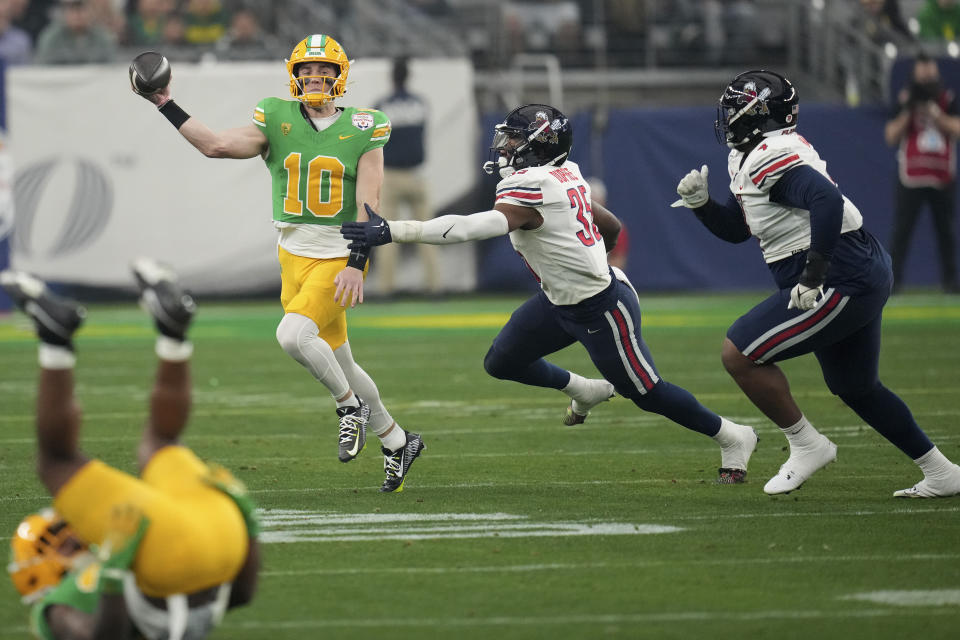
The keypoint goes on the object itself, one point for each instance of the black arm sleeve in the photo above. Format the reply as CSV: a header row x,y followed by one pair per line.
x,y
806,188
724,220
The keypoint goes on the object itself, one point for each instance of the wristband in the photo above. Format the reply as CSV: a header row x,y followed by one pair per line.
x,y
358,257
172,112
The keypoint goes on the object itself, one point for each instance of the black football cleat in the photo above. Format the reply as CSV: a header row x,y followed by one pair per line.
x,y
396,464
353,430
172,308
55,317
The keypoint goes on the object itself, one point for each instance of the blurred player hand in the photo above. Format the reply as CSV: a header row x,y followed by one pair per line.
x,y
805,298
693,189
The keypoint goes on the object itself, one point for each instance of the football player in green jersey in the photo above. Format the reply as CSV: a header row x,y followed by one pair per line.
x,y
325,162
160,555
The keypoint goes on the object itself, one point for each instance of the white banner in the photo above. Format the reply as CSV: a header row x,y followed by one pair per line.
x,y
101,178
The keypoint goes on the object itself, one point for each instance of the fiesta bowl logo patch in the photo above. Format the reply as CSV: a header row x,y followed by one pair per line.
x,y
362,121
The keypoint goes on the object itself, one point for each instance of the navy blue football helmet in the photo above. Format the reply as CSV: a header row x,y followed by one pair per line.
x,y
754,105
530,136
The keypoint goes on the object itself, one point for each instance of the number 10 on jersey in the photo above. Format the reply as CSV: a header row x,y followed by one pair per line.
x,y
324,186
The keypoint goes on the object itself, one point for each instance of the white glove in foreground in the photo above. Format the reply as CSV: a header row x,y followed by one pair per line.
x,y
805,298
693,189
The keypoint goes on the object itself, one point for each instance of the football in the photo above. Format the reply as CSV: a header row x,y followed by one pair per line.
x,y
149,73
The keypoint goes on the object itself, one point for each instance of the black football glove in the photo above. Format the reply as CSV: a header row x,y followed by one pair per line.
x,y
372,233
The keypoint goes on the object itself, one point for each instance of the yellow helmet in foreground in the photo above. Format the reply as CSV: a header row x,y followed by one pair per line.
x,y
318,48
42,551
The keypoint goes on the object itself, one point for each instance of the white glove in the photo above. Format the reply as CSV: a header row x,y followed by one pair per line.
x,y
805,298
693,189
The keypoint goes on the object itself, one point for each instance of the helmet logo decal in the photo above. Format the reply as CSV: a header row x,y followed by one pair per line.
x,y
750,94
546,130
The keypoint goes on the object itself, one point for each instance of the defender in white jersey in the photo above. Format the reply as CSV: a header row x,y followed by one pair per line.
x,y
544,203
833,278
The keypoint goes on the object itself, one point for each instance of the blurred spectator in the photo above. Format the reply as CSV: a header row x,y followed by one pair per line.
x,y
925,128
626,31
882,21
405,188
149,21
74,38
110,14
32,15
246,40
730,30
15,43
206,21
433,8
939,20
543,25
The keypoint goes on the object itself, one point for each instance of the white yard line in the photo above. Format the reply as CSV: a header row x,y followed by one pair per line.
x,y
588,619
640,564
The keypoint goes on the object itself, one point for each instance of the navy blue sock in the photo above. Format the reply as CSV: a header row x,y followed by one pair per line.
x,y
679,405
883,410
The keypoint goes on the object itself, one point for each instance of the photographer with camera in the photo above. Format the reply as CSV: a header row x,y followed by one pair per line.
x,y
925,128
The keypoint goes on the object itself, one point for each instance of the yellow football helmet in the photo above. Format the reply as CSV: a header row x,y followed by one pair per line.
x,y
318,48
42,551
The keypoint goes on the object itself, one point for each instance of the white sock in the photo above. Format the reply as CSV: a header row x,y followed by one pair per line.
x,y
395,439
801,434
576,386
728,434
52,356
351,401
173,350
934,464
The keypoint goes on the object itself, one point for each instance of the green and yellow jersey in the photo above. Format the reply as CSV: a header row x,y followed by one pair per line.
x,y
314,172
79,589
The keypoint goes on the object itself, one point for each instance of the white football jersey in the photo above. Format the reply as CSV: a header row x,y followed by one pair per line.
x,y
566,253
781,230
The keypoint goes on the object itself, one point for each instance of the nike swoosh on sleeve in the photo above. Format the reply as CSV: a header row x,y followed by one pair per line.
x,y
448,231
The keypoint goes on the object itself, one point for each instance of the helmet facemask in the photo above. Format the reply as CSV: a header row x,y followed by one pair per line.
x,y
42,551
316,99
318,48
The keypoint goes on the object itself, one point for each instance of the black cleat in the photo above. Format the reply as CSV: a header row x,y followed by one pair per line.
x,y
172,308
397,463
353,430
55,317
731,476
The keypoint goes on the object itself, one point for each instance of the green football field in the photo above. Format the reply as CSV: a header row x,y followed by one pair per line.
x,y
512,525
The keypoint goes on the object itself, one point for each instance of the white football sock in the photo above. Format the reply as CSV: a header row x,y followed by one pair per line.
x,y
297,335
53,356
173,350
801,433
350,401
934,464
394,440
576,387
728,433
